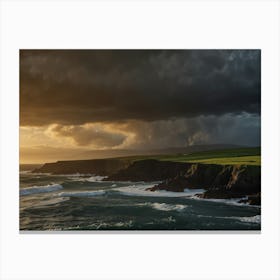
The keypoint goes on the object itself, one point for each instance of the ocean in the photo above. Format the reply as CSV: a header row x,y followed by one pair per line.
x,y
85,202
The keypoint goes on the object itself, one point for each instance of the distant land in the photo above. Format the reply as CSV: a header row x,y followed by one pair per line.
x,y
28,166
100,154
48,156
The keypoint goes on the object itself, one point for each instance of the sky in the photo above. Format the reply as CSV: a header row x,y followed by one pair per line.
x,y
75,102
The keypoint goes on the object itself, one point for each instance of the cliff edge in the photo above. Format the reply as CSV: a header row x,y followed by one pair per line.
x,y
102,167
219,181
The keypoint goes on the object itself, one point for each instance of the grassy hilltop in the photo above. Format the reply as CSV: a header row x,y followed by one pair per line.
x,y
240,156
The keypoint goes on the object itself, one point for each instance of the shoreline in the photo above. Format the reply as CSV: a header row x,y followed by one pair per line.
x,y
219,181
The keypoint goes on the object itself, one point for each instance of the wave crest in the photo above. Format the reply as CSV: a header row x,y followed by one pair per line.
x,y
140,190
82,194
40,189
254,219
94,178
165,206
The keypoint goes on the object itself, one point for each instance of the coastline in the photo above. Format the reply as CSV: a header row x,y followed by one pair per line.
x,y
219,181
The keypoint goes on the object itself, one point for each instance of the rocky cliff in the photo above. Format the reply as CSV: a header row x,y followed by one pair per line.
x,y
102,167
148,170
219,181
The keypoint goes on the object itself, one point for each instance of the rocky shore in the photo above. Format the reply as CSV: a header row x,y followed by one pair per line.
x,y
219,181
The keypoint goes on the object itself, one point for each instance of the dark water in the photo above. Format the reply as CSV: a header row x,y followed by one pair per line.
x,y
49,202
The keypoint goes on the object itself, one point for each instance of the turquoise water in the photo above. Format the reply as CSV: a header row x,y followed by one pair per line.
x,y
76,202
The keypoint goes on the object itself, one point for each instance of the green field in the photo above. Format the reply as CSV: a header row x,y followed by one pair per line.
x,y
240,156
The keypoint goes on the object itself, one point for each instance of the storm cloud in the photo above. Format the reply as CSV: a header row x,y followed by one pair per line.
x,y
243,129
140,99
77,87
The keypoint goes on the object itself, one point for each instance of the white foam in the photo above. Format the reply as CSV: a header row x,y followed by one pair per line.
x,y
192,192
52,201
40,173
82,194
40,189
124,224
165,206
72,175
140,190
94,178
230,201
254,219
104,225
25,172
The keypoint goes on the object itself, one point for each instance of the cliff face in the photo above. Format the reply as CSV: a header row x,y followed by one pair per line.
x,y
102,167
235,182
148,170
220,181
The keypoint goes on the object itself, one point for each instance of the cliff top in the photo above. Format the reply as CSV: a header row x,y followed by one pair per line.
x,y
240,156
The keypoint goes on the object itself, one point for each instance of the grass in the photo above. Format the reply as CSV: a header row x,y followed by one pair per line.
x,y
249,160
240,156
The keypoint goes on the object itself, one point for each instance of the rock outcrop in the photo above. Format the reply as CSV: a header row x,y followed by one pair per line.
x,y
229,181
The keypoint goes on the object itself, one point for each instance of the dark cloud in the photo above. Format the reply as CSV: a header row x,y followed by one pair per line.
x,y
243,129
77,87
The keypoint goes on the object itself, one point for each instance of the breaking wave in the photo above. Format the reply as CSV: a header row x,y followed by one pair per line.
x,y
82,194
254,219
229,201
52,201
40,189
88,179
140,190
165,206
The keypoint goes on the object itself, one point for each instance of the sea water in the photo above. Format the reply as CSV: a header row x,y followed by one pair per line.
x,y
85,202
